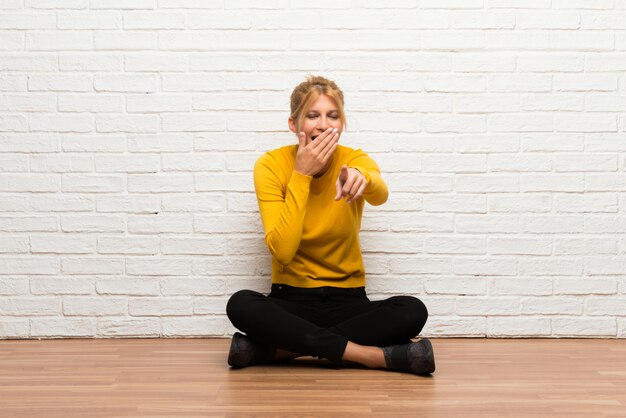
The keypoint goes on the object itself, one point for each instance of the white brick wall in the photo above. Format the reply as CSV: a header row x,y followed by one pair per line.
x,y
128,132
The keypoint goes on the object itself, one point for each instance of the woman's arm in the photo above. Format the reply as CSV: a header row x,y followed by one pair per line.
x,y
376,192
282,208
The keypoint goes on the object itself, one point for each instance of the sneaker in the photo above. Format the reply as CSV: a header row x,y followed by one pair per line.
x,y
415,357
245,352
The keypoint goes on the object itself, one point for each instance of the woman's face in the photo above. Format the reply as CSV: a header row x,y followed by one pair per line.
x,y
322,114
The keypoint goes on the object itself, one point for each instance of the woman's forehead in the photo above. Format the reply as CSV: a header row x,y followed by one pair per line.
x,y
324,102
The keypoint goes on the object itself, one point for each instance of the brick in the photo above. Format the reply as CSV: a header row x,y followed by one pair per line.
x,y
13,163
92,223
63,285
61,123
232,182
70,40
61,203
551,266
122,4
232,266
14,245
412,183
480,183
552,102
455,83
128,164
584,327
29,182
197,286
151,183
519,163
29,21
13,123
487,143
127,123
128,204
541,142
584,246
454,326
92,265
125,40
128,287
12,82
584,287
242,21
194,326
418,265
29,265
605,306
390,243
160,143
486,223
29,223
129,327
492,306
455,245
197,122
88,20
150,62
128,245
153,266
155,224
62,327
94,306
154,20
100,143
64,244
90,103
589,202
605,182
60,163
55,4
605,265
520,246
219,224
29,103
454,203
200,246
86,61
511,327
200,202
28,62
552,183
132,83
87,183
604,224
13,203
14,328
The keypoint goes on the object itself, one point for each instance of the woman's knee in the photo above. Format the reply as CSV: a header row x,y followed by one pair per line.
x,y
239,303
414,312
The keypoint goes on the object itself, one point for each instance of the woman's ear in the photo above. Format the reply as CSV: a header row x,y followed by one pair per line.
x,y
292,125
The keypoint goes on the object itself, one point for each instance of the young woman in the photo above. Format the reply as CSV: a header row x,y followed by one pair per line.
x,y
311,198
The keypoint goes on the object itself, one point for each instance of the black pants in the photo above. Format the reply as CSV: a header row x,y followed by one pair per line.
x,y
320,322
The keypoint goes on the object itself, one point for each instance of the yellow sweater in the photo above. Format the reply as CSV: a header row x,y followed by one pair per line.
x,y
313,239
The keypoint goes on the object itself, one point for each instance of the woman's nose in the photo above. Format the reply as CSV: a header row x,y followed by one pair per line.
x,y
323,124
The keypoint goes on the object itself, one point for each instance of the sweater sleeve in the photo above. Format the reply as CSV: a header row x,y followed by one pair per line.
x,y
376,192
282,208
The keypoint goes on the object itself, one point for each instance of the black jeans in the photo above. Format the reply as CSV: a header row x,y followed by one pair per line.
x,y
320,321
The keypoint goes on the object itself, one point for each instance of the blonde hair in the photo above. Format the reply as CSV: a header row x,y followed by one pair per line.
x,y
308,91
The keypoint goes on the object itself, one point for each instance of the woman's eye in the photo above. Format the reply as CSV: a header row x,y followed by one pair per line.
x,y
311,116
334,117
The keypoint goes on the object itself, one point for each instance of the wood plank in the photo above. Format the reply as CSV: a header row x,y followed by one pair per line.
x,y
565,378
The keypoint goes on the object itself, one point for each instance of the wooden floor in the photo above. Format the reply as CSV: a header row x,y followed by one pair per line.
x,y
189,378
